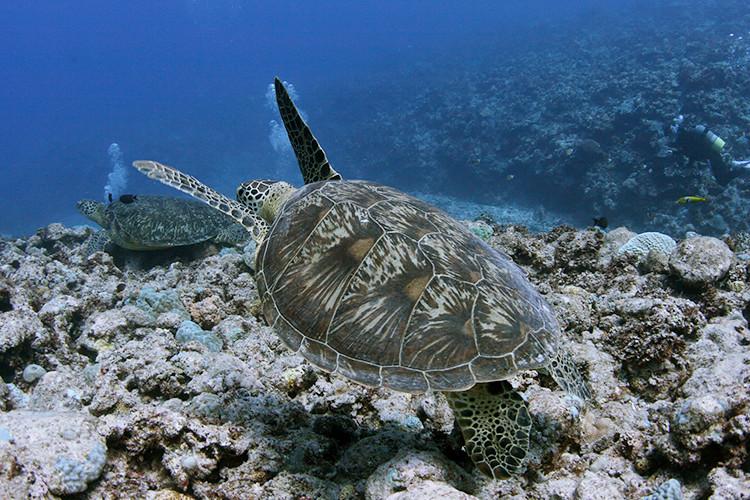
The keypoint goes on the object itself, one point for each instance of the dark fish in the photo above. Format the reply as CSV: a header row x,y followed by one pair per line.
x,y
128,198
109,196
601,222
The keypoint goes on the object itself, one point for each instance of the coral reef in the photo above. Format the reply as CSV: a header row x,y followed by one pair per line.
x,y
161,382
492,128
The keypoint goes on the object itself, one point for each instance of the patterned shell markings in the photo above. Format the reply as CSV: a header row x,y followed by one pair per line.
x,y
156,221
387,290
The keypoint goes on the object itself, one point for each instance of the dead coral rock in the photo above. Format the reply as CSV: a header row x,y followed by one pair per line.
x,y
613,240
721,358
167,495
524,250
578,250
729,484
6,295
430,489
573,306
556,421
598,485
56,453
367,454
208,312
602,368
302,485
618,468
413,471
215,373
61,313
255,420
433,409
187,447
395,407
102,328
700,261
649,336
5,403
144,365
57,390
17,327
715,392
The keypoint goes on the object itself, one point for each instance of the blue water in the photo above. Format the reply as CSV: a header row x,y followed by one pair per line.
x,y
185,82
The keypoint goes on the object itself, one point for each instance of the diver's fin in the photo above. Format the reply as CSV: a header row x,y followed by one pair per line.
x,y
195,188
312,160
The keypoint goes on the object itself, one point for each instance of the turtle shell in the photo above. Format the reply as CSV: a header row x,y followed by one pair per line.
x,y
151,222
376,285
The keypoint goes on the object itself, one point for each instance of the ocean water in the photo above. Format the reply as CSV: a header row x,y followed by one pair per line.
x,y
558,106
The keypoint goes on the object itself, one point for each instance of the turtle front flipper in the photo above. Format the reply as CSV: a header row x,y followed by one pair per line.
x,y
97,242
563,370
495,424
312,160
192,186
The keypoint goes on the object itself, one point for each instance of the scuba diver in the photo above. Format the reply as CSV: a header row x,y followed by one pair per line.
x,y
701,144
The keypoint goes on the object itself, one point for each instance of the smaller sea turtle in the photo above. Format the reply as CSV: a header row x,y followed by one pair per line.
x,y
157,222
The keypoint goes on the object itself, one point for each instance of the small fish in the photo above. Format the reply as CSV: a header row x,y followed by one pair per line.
x,y
568,151
510,177
109,197
690,199
601,222
128,198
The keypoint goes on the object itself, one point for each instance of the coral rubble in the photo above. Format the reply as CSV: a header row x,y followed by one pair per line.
x,y
163,383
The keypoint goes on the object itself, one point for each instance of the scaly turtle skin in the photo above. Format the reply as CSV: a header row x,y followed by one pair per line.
x,y
373,284
157,222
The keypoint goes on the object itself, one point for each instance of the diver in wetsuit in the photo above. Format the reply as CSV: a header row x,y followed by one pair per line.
x,y
701,144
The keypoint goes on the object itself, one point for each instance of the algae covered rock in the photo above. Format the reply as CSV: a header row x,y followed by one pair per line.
x,y
414,474
700,261
56,453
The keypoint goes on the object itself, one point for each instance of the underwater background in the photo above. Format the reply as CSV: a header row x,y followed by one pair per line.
x,y
544,111
166,367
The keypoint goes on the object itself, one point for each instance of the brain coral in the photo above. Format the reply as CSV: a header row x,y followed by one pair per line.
x,y
643,243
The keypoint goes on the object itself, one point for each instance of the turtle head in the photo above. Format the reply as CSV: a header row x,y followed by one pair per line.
x,y
93,210
265,197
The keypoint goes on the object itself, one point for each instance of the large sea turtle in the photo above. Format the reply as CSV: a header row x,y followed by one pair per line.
x,y
156,222
370,283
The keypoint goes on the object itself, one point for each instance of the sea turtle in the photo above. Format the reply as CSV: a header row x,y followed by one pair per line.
x,y
146,222
373,284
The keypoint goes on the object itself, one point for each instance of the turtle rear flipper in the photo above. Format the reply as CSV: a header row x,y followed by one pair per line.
x,y
563,370
97,242
195,188
495,424
312,160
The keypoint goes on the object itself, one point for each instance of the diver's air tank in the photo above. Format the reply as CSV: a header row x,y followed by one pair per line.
x,y
716,142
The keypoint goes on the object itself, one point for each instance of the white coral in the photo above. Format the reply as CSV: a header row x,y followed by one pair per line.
x,y
644,243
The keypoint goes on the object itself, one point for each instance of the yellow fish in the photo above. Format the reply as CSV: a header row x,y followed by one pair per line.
x,y
691,199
